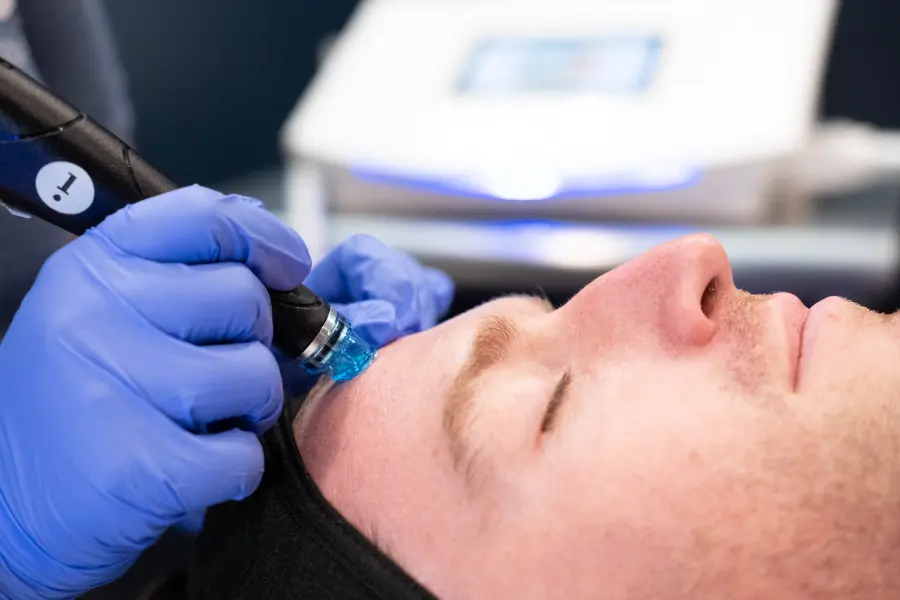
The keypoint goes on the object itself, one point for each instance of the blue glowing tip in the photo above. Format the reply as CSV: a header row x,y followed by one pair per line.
x,y
347,355
351,356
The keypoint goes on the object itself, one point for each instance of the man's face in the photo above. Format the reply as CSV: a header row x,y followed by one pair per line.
x,y
661,436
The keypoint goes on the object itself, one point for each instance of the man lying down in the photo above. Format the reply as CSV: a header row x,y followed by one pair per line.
x,y
662,436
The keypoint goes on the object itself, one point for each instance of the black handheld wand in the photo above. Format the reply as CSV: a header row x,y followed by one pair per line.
x,y
60,166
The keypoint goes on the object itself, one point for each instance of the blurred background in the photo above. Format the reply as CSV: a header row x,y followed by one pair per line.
x,y
215,86
214,82
225,74
222,74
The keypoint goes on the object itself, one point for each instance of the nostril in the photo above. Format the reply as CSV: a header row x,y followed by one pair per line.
x,y
708,300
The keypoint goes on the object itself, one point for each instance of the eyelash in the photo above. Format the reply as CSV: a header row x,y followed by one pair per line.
x,y
556,400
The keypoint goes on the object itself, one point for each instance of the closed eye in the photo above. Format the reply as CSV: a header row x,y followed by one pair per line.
x,y
556,402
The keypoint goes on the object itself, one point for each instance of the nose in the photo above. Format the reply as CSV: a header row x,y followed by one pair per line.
x,y
669,292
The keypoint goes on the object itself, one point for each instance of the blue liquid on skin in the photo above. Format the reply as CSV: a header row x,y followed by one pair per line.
x,y
350,357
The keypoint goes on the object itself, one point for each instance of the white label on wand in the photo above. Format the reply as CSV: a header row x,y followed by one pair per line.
x,y
65,187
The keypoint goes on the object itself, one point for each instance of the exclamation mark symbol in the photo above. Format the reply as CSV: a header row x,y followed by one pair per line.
x,y
64,188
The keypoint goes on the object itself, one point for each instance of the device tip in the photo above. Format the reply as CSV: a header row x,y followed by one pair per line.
x,y
351,357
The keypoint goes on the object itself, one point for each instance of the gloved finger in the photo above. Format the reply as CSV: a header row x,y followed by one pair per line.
x,y
374,320
202,304
197,225
427,303
363,268
215,383
212,469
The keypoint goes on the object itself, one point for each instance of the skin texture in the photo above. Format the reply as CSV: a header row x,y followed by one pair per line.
x,y
710,445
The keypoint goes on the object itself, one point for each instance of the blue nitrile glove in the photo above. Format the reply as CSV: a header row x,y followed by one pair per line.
x,y
134,335
384,294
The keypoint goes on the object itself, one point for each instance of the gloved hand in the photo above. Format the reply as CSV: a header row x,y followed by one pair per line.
x,y
133,338
383,293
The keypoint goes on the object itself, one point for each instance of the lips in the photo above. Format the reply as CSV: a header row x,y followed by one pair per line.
x,y
818,316
795,316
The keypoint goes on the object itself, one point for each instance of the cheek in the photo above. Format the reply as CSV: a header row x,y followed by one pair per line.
x,y
631,481
690,492
657,447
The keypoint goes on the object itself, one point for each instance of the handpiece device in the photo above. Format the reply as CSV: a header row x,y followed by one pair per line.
x,y
60,166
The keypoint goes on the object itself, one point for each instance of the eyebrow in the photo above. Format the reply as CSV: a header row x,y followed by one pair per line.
x,y
494,338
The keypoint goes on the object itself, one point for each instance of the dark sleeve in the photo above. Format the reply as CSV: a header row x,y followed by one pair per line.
x,y
75,51
173,587
68,45
24,243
